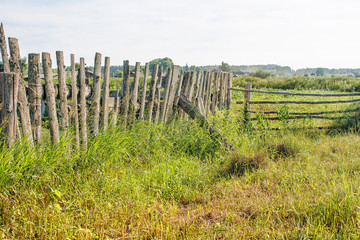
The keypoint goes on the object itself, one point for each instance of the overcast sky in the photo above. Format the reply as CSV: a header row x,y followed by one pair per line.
x,y
296,33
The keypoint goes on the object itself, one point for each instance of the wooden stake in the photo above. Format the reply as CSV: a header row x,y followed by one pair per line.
x,y
157,114
35,91
95,105
23,104
83,107
166,94
247,99
62,90
74,101
134,105
229,91
5,59
115,112
105,116
50,98
8,112
126,98
143,98
153,88
174,80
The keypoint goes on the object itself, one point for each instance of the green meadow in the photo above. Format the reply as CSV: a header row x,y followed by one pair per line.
x,y
173,181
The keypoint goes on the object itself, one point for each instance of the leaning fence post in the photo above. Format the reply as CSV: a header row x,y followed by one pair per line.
x,y
158,94
35,92
74,101
50,97
23,104
229,91
105,116
143,97
133,104
247,99
115,112
62,91
9,116
5,58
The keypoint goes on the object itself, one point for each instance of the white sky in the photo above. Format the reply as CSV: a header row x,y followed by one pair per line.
x,y
296,33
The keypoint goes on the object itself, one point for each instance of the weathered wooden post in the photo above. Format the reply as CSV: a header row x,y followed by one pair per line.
x,y
158,92
50,97
143,97
152,91
229,91
23,104
105,116
95,105
134,105
5,58
126,94
83,108
74,101
115,112
62,91
174,80
8,112
215,92
192,82
166,94
35,91
247,99
222,91
208,93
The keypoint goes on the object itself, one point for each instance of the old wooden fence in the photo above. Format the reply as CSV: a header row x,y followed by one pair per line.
x,y
91,109
271,115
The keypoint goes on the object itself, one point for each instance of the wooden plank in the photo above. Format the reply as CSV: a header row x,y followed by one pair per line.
x,y
300,117
180,86
247,99
8,111
158,97
105,110
191,86
62,90
153,87
83,107
208,93
50,98
311,113
126,94
143,97
74,101
222,91
300,102
298,94
134,106
35,91
95,105
23,104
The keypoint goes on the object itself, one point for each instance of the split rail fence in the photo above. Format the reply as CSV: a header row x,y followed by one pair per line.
x,y
294,115
91,109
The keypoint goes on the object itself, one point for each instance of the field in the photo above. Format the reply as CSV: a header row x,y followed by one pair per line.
x,y
173,181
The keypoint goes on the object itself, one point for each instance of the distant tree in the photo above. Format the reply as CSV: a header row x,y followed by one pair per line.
x,y
195,68
119,74
164,62
260,74
186,68
320,72
225,67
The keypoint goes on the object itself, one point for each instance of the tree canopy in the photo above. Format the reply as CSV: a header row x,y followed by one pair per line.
x,y
225,67
164,62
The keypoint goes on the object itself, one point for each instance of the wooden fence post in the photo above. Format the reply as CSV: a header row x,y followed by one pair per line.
x,y
105,116
35,92
157,114
247,99
166,94
153,85
115,113
62,91
229,91
83,108
23,104
215,92
8,112
174,80
74,101
5,58
50,97
208,93
95,105
143,97
134,105
126,92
